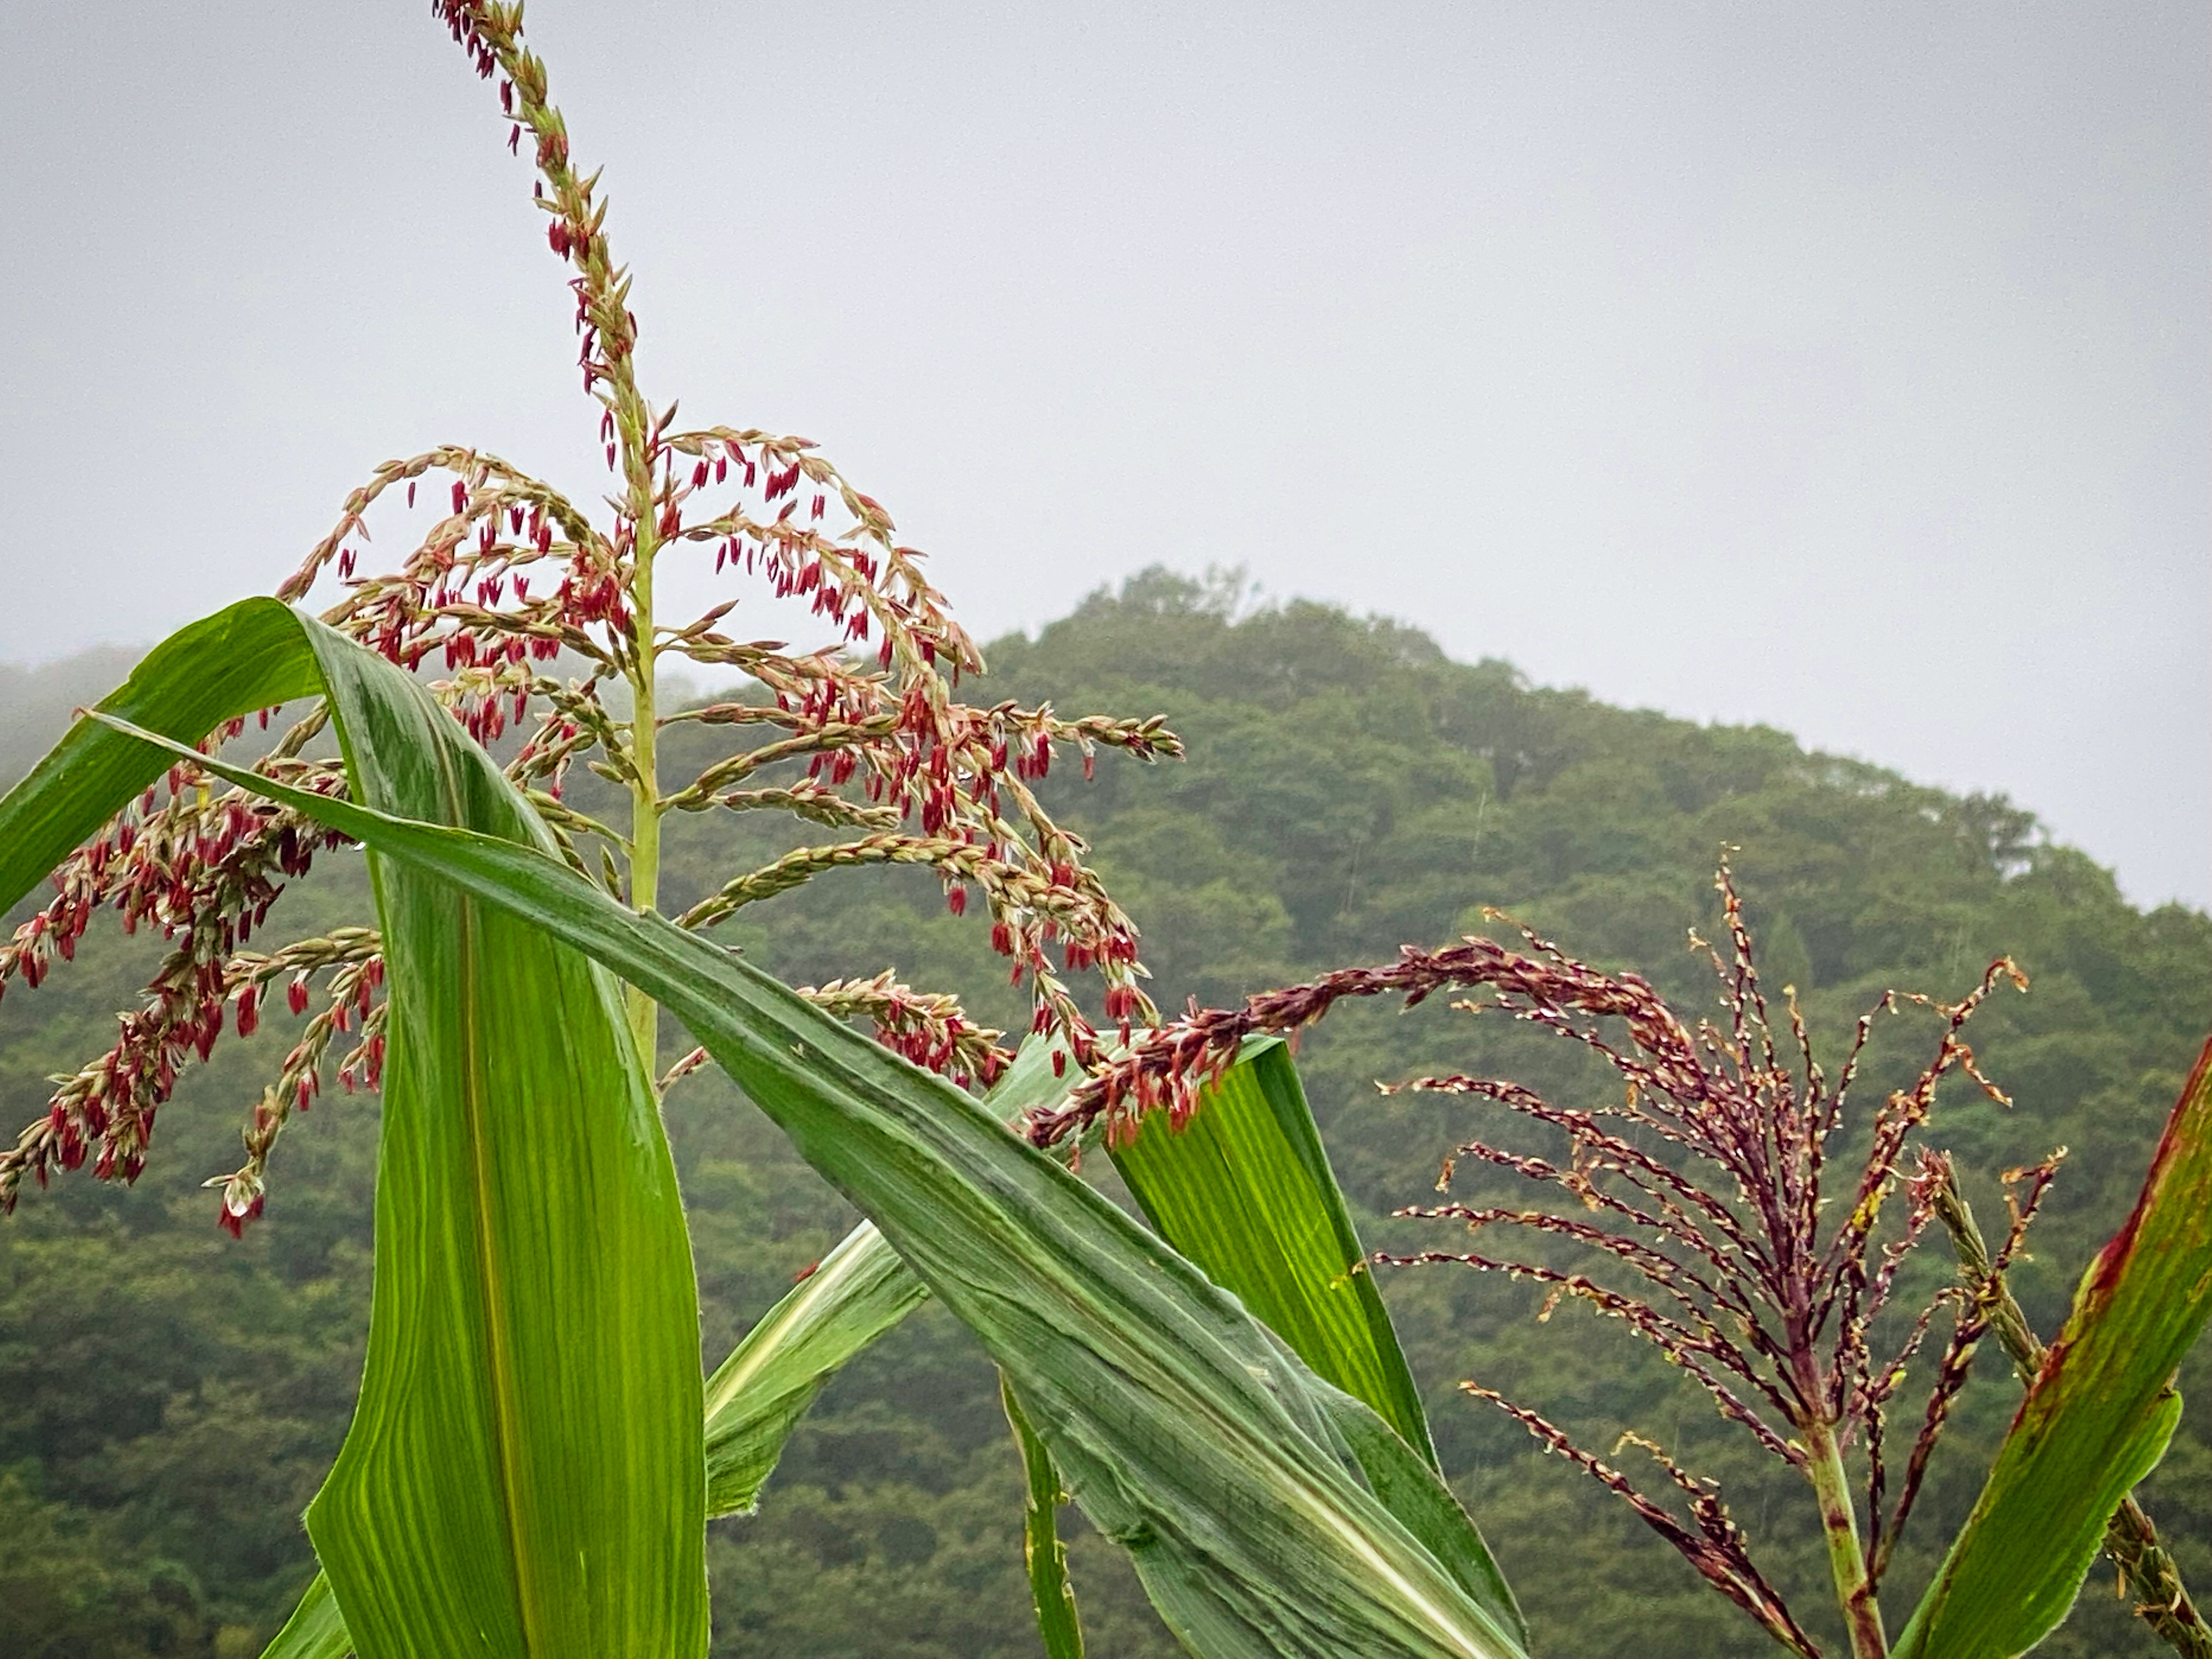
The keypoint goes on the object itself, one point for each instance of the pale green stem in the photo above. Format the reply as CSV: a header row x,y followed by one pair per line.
x,y
1824,1466
645,788
606,303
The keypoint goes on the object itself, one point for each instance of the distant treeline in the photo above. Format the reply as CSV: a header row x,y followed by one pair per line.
x,y
169,1399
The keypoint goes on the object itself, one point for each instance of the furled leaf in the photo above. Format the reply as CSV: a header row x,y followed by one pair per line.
x,y
522,1477
2097,1418
1183,1427
1043,1553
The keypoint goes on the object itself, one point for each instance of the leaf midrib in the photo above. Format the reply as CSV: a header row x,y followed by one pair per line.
x,y
506,1445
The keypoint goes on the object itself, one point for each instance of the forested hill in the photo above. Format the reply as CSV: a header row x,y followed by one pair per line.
x,y
1377,790
169,1399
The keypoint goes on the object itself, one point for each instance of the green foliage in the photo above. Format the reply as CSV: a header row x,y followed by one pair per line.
x,y
1042,1551
1264,1509
860,1292
1252,1152
2097,1418
758,1395
1438,787
524,1474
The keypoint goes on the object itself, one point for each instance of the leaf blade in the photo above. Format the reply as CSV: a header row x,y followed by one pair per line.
x,y
1043,1555
856,1295
761,1390
540,1394
1184,1428
504,1488
245,657
2097,1418
757,1396
316,1630
1244,1189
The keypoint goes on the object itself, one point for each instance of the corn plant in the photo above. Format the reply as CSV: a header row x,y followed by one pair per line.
x,y
516,581
530,1342
1267,1508
1701,1188
534,1453
534,1318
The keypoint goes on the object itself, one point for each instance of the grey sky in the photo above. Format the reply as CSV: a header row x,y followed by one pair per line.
x,y
1847,368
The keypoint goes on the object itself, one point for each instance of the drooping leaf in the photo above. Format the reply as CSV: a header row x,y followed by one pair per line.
x,y
756,1396
522,1477
1043,1555
247,657
1183,1427
861,1291
1244,1189
2096,1419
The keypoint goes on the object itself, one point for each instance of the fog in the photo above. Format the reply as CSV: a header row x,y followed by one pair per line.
x,y
1841,368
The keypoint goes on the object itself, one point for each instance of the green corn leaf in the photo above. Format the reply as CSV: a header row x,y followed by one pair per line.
x,y
861,1291
758,1395
249,657
522,1477
1244,1189
754,1400
315,1630
1043,1553
2097,1419
1182,1426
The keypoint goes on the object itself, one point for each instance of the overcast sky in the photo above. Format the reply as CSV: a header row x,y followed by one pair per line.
x,y
1843,368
